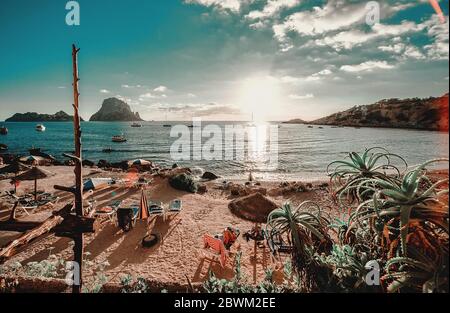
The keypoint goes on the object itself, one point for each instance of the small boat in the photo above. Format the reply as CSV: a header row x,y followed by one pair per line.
x,y
107,150
40,128
3,147
120,138
167,125
320,127
136,125
310,126
3,130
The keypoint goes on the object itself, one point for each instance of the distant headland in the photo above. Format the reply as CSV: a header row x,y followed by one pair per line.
x,y
425,114
60,116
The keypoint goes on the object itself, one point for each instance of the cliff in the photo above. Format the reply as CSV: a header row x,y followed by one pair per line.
x,y
113,110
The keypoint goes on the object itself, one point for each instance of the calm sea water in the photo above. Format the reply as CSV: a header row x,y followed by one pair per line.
x,y
304,152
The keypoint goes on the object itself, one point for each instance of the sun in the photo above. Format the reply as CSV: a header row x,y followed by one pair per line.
x,y
259,97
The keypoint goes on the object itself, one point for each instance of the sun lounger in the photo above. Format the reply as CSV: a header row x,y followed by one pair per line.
x,y
108,211
155,208
216,245
175,206
28,205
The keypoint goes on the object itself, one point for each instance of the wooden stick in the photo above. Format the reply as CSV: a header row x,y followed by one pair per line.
x,y
78,238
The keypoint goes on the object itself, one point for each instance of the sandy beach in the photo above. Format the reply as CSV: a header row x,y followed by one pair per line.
x,y
180,253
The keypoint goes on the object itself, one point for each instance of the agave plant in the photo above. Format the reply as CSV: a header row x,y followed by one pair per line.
x,y
306,229
395,206
417,273
350,177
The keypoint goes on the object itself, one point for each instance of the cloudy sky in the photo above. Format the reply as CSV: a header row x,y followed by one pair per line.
x,y
221,59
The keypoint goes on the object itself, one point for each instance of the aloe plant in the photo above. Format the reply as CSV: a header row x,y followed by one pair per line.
x,y
307,231
394,205
349,177
419,273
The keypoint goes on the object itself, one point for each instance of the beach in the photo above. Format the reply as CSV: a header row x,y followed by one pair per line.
x,y
180,254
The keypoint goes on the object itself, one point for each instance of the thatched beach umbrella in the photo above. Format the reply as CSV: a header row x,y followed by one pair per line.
x,y
32,159
254,208
143,210
15,168
33,174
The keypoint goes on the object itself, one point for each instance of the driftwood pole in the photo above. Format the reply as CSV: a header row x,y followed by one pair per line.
x,y
78,237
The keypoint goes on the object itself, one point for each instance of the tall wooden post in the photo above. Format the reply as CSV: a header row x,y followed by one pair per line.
x,y
78,237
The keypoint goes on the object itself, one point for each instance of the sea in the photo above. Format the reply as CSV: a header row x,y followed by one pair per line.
x,y
303,153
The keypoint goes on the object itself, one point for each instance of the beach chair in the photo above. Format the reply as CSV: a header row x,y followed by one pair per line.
x,y
155,208
127,217
109,212
216,245
175,206
25,204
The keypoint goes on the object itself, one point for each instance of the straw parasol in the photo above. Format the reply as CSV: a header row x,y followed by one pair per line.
x,y
32,159
143,211
33,174
254,208
15,168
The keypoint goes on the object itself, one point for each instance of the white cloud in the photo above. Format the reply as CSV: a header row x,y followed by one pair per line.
x,y
319,75
438,31
104,91
161,89
147,96
301,97
351,38
232,5
271,8
367,66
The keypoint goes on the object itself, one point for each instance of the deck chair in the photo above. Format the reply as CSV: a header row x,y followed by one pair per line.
x,y
155,208
175,206
216,245
109,212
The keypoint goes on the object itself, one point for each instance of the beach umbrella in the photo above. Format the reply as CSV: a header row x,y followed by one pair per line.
x,y
32,159
253,208
139,162
33,174
143,210
15,168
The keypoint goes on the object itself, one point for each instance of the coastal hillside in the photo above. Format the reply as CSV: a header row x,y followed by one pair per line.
x,y
296,121
426,114
113,110
60,116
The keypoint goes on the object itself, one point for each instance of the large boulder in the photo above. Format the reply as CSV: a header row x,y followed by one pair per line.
x,y
184,182
255,207
209,176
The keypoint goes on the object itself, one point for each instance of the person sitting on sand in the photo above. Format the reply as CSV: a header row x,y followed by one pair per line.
x,y
228,237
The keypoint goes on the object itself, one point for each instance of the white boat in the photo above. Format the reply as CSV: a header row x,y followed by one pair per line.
x,y
136,125
120,138
40,128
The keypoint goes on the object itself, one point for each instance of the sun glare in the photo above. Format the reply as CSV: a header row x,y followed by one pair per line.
x,y
259,97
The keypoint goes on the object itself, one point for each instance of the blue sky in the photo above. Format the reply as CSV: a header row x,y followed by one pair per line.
x,y
220,60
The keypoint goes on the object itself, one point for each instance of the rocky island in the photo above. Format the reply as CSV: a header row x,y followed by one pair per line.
x,y
115,110
60,116
425,114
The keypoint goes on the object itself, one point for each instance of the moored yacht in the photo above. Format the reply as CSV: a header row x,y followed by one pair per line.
x,y
40,128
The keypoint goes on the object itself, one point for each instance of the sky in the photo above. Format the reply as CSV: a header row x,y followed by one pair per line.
x,y
221,59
